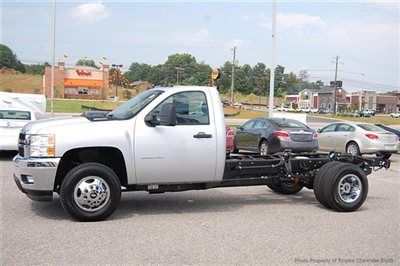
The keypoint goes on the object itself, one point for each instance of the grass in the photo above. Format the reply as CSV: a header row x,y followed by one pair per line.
x,y
235,113
373,119
21,83
75,106
251,98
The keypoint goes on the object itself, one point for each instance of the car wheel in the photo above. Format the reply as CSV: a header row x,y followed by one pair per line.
x,y
353,149
264,148
90,192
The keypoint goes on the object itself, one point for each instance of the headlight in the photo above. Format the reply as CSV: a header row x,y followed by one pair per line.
x,y
41,146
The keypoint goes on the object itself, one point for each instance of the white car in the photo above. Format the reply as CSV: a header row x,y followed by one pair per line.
x,y
395,114
314,110
11,123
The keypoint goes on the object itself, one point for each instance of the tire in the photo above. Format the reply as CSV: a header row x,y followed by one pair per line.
x,y
273,187
263,148
342,177
286,188
354,149
102,199
318,181
235,150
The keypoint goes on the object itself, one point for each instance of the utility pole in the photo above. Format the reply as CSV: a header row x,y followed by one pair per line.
x,y
233,75
335,90
272,72
179,71
53,53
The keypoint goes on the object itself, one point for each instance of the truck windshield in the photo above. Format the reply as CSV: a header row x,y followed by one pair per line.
x,y
134,105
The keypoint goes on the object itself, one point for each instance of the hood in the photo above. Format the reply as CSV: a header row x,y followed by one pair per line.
x,y
49,125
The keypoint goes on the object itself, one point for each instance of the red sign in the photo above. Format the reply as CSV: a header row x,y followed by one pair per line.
x,y
82,72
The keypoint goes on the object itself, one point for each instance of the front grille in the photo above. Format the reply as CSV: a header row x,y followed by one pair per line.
x,y
301,136
21,144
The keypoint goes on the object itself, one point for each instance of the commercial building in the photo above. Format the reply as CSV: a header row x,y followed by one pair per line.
x,y
77,82
381,103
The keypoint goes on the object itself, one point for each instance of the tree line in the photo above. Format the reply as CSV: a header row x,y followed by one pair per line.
x,y
184,69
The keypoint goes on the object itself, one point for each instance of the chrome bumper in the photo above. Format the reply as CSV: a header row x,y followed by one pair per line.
x,y
35,176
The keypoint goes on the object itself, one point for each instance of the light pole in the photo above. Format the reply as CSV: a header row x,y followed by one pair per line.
x,y
117,77
233,74
53,52
179,72
272,72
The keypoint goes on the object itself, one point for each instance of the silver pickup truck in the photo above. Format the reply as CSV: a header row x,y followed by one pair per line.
x,y
167,140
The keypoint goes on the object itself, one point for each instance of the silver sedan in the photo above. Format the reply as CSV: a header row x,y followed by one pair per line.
x,y
358,138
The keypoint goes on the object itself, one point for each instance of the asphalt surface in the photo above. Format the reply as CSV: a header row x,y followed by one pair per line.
x,y
249,225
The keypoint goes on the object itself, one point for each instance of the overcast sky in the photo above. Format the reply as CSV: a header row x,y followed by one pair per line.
x,y
364,34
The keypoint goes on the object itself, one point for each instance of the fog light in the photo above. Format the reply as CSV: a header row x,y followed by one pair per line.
x,y
27,179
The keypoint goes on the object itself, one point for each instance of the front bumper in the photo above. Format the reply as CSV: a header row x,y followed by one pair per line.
x,y
35,176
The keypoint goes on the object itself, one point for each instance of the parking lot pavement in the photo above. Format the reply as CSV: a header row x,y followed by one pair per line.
x,y
248,225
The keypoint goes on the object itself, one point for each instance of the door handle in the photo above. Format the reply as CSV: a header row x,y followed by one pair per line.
x,y
202,135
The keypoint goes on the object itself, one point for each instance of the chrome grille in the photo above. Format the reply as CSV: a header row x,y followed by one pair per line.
x,y
22,144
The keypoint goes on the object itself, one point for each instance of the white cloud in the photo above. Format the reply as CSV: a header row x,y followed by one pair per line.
x,y
294,21
201,38
393,6
91,12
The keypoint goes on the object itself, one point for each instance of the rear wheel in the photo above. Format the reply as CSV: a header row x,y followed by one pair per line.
x,y
318,181
90,192
353,149
345,187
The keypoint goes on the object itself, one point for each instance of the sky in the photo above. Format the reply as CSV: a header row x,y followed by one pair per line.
x,y
310,34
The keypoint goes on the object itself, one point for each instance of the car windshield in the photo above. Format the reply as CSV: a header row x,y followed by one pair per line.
x,y
369,127
17,115
288,123
134,105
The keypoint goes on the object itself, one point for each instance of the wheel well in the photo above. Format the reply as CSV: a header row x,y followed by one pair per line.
x,y
108,156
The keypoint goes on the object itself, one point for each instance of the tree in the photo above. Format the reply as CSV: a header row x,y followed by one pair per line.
x,y
9,59
86,62
156,75
137,72
224,82
303,75
185,61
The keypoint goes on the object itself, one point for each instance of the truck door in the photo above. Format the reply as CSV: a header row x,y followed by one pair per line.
x,y
182,153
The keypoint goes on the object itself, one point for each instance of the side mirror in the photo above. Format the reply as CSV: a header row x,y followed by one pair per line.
x,y
168,115
150,120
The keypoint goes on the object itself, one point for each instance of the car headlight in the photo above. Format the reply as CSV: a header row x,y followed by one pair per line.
x,y
41,145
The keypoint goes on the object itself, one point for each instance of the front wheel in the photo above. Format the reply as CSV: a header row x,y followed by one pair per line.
x,y
90,192
287,188
264,148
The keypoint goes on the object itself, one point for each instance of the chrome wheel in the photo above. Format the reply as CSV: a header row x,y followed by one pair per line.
x,y
352,149
264,148
349,188
91,193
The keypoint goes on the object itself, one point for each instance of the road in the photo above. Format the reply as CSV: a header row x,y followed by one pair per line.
x,y
248,225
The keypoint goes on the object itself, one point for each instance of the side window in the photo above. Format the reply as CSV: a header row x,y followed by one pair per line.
x,y
191,108
345,128
266,125
329,128
259,124
248,125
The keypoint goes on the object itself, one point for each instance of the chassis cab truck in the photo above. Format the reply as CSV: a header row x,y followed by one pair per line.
x,y
167,140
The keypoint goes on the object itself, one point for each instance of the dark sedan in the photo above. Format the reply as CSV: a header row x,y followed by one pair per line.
x,y
272,135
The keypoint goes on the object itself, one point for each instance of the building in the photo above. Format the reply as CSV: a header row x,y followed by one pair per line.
x,y
77,82
381,103
322,98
